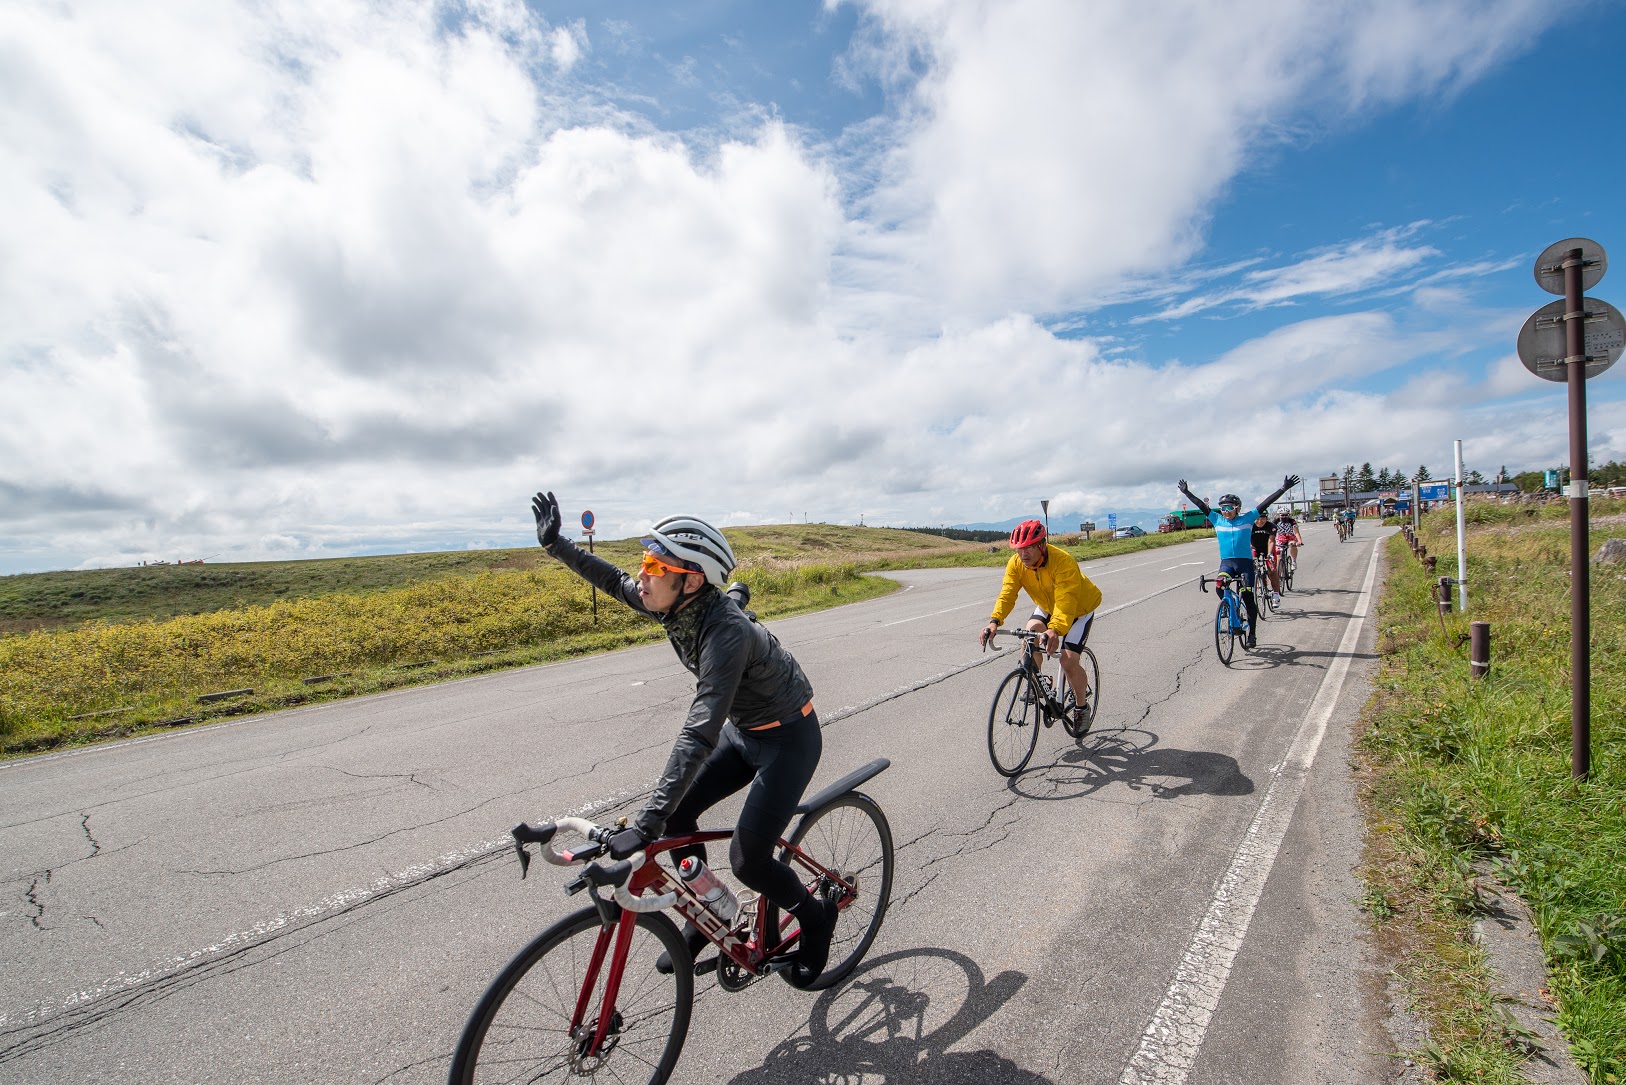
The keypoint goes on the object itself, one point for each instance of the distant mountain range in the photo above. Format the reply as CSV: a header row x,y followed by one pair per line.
x,y
1064,522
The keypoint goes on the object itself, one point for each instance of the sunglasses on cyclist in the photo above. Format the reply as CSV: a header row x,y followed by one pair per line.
x,y
654,566
1229,508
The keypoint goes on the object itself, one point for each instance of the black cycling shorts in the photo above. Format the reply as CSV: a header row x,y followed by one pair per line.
x,y
775,764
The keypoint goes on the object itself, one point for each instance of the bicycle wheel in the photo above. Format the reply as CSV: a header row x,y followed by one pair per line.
x,y
1224,634
1288,566
520,1029
850,836
1092,702
1013,722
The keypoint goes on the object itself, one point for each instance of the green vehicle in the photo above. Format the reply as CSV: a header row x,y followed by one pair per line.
x,y
1182,519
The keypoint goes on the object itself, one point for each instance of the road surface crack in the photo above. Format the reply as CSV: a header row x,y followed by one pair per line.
x,y
380,776
1179,681
33,898
84,823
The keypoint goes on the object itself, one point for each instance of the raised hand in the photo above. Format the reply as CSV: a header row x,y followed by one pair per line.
x,y
546,511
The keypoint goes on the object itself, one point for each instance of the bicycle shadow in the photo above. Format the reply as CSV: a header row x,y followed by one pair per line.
x,y
1135,763
1266,656
894,1021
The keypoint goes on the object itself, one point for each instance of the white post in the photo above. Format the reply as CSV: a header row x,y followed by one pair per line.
x,y
1462,556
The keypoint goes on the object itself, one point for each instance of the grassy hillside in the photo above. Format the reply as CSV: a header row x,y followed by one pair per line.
x,y
101,654
32,601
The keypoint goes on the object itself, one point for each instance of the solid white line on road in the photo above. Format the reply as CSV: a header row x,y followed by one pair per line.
x,y
1182,565
1168,1048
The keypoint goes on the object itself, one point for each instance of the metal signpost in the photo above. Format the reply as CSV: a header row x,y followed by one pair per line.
x,y
587,531
1044,505
1571,341
1462,551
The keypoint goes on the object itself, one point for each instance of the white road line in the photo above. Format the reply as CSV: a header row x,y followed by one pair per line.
x,y
1142,599
1169,1046
933,614
1182,565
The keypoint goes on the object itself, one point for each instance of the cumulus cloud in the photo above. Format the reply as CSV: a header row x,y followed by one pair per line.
x,y
315,278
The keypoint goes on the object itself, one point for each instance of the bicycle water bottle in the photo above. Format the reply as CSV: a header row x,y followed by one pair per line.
x,y
716,896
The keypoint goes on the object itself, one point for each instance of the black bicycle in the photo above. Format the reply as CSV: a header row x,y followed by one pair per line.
x,y
1029,698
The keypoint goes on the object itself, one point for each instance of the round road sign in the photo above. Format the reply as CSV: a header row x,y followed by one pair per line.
x,y
1542,341
587,520
1550,264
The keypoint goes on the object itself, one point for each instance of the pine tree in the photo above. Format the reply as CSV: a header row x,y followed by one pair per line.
x,y
1422,474
1364,479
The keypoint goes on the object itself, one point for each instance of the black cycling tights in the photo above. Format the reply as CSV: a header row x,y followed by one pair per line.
x,y
777,768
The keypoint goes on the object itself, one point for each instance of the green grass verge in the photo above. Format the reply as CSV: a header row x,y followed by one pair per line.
x,y
1464,779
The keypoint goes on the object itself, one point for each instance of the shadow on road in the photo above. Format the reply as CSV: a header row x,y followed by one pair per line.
x,y
1133,758
894,1022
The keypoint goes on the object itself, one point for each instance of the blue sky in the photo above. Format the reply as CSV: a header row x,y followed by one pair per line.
x,y
362,277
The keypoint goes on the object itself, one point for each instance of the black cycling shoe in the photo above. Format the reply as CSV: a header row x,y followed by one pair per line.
x,y
696,943
813,948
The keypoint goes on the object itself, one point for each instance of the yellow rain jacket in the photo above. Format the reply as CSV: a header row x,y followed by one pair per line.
x,y
1058,587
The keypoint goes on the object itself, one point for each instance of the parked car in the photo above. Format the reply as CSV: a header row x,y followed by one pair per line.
x,y
1130,532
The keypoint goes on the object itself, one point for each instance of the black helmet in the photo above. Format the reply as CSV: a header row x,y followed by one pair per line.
x,y
1230,499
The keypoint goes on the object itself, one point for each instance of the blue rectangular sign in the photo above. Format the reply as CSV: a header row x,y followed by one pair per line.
x,y
1435,491
1112,519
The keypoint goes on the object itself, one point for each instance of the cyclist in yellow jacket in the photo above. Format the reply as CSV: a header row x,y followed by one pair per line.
x,y
1065,601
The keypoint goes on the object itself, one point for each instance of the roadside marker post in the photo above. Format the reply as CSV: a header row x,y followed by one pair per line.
x,y
587,532
1571,341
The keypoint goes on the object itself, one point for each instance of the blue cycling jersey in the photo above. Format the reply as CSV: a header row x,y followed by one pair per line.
x,y
1234,535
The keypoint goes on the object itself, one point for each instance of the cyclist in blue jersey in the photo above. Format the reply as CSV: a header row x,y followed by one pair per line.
x,y
1234,529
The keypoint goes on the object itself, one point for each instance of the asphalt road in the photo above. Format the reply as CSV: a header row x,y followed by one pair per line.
x,y
320,895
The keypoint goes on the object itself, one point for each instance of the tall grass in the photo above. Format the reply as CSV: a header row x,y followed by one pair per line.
x,y
150,671
1472,778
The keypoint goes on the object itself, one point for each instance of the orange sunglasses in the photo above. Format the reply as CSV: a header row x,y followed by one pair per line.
x,y
655,567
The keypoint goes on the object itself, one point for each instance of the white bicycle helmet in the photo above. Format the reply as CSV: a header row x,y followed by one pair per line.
x,y
697,544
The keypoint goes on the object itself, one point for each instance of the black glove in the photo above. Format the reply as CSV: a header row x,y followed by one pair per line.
x,y
1183,487
546,511
627,841
1290,481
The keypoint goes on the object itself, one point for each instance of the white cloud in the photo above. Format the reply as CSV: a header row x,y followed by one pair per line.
x,y
306,278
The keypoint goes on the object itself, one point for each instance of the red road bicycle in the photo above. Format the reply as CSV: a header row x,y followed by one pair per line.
x,y
586,997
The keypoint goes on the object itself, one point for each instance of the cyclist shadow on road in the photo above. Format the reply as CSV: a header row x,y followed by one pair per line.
x,y
894,1021
1266,656
1133,759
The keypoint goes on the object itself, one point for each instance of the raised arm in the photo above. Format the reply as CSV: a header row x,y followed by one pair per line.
x,y
1202,506
1287,484
595,570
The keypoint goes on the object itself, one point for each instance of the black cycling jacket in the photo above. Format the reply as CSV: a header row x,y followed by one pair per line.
x,y
741,673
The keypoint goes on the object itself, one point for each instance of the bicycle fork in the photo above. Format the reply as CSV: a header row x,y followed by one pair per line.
x,y
590,1039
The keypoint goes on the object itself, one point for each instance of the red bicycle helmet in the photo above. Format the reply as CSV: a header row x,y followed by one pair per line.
x,y
1027,533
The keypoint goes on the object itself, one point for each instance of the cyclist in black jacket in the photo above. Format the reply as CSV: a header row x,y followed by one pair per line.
x,y
751,723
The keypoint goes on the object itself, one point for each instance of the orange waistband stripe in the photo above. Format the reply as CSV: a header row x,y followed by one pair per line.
x,y
806,710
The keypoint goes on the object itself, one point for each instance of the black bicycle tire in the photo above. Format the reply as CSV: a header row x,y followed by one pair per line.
x,y
840,970
465,1057
1092,669
1017,680
1287,573
1224,637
